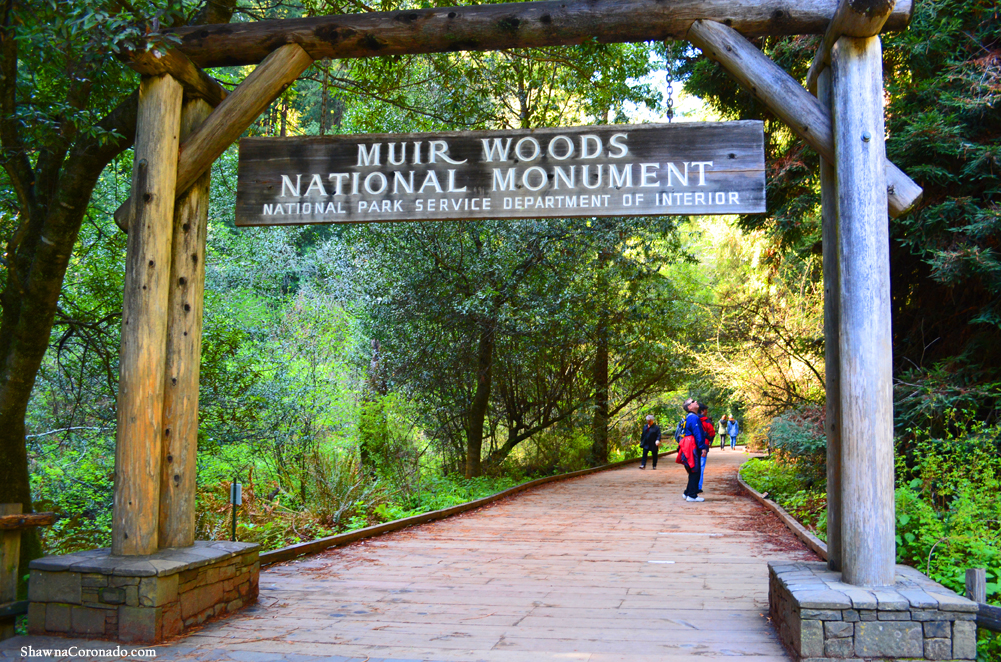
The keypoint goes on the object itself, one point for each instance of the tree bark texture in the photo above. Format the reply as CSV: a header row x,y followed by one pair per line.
x,y
503,26
867,507
134,528
481,399
184,350
832,350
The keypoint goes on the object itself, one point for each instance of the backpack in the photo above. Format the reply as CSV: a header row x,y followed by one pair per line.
x,y
679,431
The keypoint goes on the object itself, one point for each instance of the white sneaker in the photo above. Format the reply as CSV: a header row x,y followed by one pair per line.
x,y
695,499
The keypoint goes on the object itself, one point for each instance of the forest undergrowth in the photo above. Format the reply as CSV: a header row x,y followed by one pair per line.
x,y
948,515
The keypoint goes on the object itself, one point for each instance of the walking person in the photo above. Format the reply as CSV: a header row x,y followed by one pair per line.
x,y
692,448
733,429
710,433
721,429
650,441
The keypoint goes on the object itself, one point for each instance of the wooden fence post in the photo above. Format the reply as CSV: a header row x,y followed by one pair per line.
x,y
10,551
976,584
184,350
832,354
867,508
144,319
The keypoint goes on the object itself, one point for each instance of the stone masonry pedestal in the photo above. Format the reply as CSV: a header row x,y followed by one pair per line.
x,y
821,619
143,599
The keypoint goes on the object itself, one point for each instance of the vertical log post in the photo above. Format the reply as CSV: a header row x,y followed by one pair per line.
x,y
144,319
832,354
10,551
867,507
184,350
976,584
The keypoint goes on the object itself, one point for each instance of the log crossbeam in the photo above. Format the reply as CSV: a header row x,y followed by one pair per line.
x,y
506,25
853,18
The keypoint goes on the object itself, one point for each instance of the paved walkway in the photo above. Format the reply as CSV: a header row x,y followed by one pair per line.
x,y
611,567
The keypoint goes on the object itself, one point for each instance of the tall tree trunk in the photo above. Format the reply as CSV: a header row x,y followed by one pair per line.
x,y
373,416
599,423
478,407
53,196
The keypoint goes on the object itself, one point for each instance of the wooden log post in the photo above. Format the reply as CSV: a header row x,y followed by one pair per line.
x,y
867,506
789,100
184,350
832,354
10,551
976,584
144,319
231,118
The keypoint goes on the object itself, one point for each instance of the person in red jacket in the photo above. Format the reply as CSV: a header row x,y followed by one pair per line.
x,y
710,432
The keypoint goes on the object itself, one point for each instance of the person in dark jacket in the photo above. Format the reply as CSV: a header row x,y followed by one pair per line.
x,y
650,441
693,427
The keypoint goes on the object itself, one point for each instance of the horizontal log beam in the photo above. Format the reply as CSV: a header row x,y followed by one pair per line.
x,y
789,101
195,81
501,26
853,18
14,522
989,617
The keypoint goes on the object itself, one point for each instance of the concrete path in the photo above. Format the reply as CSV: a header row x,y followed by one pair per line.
x,y
611,567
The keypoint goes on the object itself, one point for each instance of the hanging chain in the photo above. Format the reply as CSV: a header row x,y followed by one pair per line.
x,y
670,83
670,97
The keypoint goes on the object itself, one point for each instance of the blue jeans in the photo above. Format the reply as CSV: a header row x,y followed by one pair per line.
x,y
702,472
733,441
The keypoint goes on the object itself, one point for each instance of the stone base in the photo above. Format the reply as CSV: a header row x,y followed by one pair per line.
x,y
140,598
820,618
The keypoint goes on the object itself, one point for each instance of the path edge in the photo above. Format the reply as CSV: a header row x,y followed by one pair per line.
x,y
818,546
321,544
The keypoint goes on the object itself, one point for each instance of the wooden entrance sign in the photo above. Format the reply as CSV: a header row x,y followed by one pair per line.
x,y
618,170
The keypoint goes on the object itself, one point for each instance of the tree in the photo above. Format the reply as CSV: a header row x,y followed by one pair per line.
x,y
943,119
65,112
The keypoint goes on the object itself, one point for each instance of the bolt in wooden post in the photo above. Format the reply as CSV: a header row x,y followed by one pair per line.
x,y
144,319
867,508
184,351
832,354
10,551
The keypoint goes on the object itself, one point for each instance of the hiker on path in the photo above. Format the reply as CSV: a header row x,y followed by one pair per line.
x,y
721,430
650,441
710,432
733,429
693,447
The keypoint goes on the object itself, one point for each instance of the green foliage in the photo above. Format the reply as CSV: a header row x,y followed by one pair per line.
x,y
947,506
799,434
